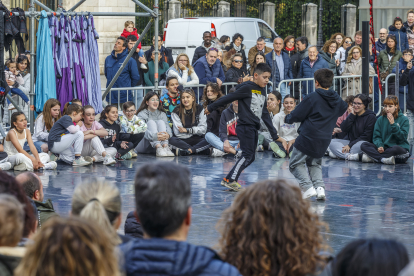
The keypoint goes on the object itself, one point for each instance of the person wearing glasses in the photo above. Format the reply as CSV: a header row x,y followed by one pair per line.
x,y
290,48
166,54
260,48
354,67
381,44
183,71
357,42
341,52
328,53
359,127
236,72
237,46
281,67
131,124
407,58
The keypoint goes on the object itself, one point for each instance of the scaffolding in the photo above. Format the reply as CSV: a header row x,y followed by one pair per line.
x,y
32,14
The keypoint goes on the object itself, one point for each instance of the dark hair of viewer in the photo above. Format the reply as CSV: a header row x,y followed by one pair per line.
x,y
324,77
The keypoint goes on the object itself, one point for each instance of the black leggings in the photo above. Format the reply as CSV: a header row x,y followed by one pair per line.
x,y
401,154
196,143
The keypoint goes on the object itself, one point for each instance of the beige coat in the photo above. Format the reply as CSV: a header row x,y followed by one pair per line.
x,y
253,52
354,69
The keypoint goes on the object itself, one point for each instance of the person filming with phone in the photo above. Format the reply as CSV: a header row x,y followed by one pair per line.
x,y
406,59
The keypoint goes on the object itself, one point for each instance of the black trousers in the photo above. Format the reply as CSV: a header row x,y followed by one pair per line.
x,y
248,137
134,138
196,143
401,154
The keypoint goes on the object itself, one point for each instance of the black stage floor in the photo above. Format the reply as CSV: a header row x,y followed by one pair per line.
x,y
363,200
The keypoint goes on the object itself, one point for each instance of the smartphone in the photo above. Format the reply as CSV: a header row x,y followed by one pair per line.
x,y
412,62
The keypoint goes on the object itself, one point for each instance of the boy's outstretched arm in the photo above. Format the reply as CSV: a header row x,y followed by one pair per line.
x,y
229,98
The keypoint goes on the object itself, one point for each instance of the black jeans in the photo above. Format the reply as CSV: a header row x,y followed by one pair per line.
x,y
196,143
401,154
134,138
248,137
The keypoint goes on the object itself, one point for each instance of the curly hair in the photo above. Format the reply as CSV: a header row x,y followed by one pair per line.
x,y
269,230
72,246
333,37
350,56
328,44
215,88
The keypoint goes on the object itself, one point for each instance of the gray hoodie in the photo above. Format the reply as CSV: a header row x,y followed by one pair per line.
x,y
157,115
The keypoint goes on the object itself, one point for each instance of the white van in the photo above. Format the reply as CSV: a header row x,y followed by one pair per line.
x,y
184,35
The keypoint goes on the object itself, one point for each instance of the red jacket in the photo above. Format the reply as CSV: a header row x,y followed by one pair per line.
x,y
126,34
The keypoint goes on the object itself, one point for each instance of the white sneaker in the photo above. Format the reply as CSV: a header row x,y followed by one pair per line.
x,y
161,152
80,162
366,159
353,157
331,155
143,66
11,107
108,160
5,166
88,159
309,193
260,148
20,167
320,193
217,153
168,152
388,161
51,165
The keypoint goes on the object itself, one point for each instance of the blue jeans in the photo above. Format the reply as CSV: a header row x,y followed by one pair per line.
x,y
139,97
216,142
19,92
376,95
37,144
284,90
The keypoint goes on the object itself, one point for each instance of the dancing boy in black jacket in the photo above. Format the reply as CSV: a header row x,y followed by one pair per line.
x,y
252,99
317,115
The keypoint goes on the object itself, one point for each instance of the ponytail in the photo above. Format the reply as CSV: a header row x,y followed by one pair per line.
x,y
106,110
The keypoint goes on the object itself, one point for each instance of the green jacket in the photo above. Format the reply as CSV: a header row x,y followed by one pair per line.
x,y
44,211
387,135
10,258
383,60
149,76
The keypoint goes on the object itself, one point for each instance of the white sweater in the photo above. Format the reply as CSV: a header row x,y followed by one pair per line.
x,y
183,80
286,131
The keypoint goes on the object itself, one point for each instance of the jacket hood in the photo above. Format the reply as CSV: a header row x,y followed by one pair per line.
x,y
331,97
166,257
121,55
126,33
393,29
368,112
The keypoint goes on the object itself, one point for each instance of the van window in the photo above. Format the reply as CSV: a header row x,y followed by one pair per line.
x,y
247,29
196,30
266,32
226,28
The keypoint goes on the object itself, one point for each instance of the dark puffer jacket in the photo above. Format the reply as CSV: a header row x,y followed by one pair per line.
x,y
167,257
234,74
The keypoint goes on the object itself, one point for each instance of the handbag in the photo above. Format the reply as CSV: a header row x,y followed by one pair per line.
x,y
385,74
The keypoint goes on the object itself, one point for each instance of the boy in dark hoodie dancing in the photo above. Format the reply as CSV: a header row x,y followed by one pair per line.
x,y
252,99
317,115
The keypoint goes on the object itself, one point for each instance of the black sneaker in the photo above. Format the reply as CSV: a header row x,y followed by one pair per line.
x,y
181,152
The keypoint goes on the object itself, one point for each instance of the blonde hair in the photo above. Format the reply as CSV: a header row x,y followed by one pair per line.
x,y
190,68
11,220
348,60
100,202
67,247
127,23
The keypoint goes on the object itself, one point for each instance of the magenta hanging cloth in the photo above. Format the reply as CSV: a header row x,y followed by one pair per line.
x,y
64,83
77,80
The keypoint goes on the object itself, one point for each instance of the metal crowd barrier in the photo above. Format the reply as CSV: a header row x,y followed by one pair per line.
x,y
5,113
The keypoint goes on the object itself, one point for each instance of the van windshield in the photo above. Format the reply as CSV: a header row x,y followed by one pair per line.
x,y
266,32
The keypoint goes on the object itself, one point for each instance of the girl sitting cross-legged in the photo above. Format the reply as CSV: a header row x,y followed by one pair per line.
x,y
19,159
189,126
389,143
92,146
158,130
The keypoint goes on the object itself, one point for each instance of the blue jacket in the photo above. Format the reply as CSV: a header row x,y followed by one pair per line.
x,y
317,115
401,35
380,46
275,71
207,73
167,257
128,78
403,66
306,71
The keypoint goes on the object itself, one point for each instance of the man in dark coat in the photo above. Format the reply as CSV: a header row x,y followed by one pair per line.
x,y
163,206
166,54
201,51
302,44
129,76
33,187
381,44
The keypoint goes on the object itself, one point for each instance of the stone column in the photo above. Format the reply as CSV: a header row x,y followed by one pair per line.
x,y
172,10
348,20
109,28
267,13
222,9
310,22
